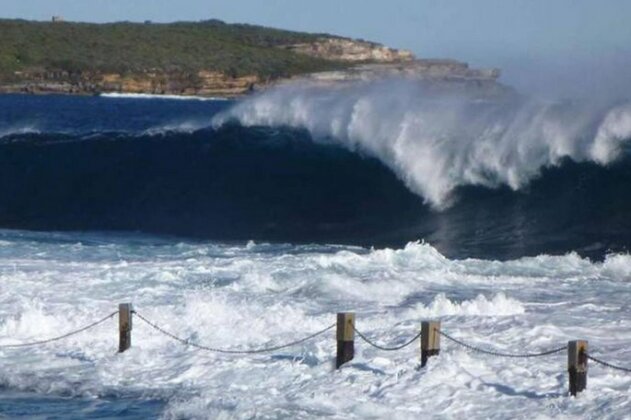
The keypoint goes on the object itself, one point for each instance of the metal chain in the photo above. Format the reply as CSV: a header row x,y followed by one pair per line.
x,y
227,351
609,365
61,337
367,340
305,339
500,354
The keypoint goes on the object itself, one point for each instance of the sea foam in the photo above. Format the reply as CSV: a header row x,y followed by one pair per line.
x,y
241,296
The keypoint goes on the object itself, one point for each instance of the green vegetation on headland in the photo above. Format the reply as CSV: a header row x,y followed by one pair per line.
x,y
190,58
209,58
130,48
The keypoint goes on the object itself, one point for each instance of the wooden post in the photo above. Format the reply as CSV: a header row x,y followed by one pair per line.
x,y
345,338
430,340
577,365
124,326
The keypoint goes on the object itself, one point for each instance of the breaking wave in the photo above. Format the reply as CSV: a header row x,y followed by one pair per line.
x,y
482,177
18,130
437,142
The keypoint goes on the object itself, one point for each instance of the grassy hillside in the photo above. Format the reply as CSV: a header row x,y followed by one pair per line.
x,y
128,48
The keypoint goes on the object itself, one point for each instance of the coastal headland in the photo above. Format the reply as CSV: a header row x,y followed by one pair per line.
x,y
207,58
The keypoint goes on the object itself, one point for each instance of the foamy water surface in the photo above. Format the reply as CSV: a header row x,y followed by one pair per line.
x,y
255,295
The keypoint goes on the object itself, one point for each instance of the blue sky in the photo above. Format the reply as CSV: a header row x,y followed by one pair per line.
x,y
512,34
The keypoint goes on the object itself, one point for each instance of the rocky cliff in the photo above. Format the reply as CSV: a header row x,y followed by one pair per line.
x,y
254,58
349,50
217,84
201,83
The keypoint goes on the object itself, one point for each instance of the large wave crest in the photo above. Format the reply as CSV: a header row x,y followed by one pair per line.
x,y
436,142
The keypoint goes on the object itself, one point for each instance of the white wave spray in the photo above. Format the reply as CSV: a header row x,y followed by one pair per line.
x,y
437,142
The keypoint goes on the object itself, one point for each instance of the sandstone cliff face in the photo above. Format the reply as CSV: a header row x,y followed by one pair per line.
x,y
367,61
219,84
341,49
203,83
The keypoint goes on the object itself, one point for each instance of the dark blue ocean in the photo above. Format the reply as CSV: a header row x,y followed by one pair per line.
x,y
159,167
222,219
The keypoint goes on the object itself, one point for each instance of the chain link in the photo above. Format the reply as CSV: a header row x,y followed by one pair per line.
x,y
609,365
227,351
372,343
500,354
61,337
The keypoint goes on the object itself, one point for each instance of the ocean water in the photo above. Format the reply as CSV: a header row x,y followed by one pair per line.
x,y
252,223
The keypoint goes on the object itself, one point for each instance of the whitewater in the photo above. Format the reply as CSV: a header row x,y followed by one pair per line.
x,y
254,295
236,224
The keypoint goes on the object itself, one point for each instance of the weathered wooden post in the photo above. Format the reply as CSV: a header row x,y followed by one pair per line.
x,y
577,365
345,338
430,340
124,326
